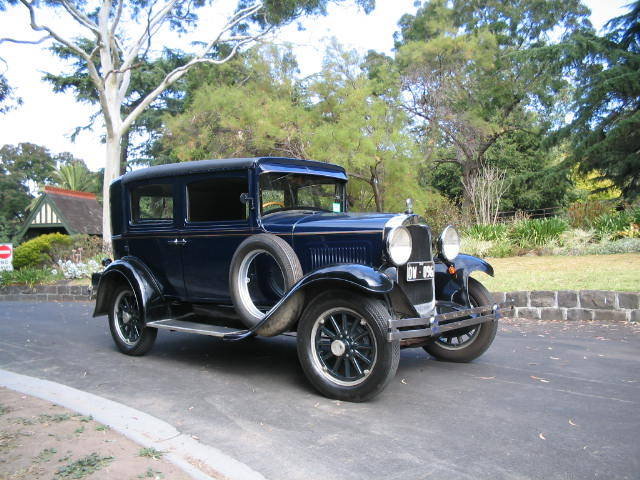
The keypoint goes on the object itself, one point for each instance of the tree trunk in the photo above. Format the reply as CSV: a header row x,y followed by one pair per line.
x,y
469,168
377,195
111,172
124,152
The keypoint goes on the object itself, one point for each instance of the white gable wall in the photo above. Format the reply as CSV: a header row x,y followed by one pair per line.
x,y
46,216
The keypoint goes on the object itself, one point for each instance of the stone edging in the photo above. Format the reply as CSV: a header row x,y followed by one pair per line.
x,y
539,305
574,305
45,293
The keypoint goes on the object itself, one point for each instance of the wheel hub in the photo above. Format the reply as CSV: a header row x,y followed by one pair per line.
x,y
338,348
126,317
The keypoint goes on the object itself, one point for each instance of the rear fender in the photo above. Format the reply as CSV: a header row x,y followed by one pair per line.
x,y
361,278
455,288
133,272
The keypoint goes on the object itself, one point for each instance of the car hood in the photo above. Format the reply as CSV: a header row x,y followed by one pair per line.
x,y
299,222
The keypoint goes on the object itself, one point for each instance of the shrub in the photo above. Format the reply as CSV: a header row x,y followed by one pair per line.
x,y
609,225
71,269
473,246
500,249
625,245
497,231
441,212
28,276
40,251
87,246
583,214
537,232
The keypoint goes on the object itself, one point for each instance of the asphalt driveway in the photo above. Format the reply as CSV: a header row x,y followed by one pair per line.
x,y
549,400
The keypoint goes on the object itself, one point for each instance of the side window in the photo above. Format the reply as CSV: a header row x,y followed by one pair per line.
x,y
217,199
152,203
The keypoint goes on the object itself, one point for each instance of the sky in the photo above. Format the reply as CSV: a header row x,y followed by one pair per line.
x,y
48,119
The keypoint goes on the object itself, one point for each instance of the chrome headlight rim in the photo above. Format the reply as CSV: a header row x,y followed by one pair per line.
x,y
449,243
399,258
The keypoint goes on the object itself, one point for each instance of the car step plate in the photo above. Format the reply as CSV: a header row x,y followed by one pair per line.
x,y
194,327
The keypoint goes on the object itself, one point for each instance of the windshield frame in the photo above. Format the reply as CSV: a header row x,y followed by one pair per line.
x,y
342,183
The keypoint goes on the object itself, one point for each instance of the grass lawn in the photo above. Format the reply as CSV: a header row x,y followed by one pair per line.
x,y
589,272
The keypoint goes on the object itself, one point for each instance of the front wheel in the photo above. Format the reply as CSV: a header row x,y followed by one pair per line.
x,y
466,344
126,324
342,346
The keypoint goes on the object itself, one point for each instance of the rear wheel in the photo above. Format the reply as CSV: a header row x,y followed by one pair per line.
x,y
468,343
127,325
342,346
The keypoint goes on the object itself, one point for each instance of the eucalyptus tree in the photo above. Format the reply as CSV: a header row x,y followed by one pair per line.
x,y
126,33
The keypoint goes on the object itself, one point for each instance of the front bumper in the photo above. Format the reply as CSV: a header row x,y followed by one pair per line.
x,y
436,325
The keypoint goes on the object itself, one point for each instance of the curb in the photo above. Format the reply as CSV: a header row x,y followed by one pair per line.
x,y
45,293
182,450
577,305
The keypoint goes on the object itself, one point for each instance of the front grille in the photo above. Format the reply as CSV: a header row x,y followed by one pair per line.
x,y
422,291
321,257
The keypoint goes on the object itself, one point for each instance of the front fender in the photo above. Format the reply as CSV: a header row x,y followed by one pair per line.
x,y
352,276
454,288
133,272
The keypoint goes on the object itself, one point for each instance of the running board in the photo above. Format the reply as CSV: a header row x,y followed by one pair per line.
x,y
200,328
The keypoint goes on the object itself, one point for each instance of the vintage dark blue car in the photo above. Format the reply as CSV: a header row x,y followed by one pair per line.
x,y
263,246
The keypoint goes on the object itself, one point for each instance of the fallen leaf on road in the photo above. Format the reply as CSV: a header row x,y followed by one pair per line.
x,y
572,423
543,380
486,378
542,437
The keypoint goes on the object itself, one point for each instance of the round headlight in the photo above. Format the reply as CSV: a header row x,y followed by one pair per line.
x,y
399,245
449,243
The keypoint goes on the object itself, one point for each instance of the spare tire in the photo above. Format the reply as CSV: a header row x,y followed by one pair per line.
x,y
263,268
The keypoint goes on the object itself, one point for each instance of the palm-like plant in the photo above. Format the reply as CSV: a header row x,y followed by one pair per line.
x,y
75,176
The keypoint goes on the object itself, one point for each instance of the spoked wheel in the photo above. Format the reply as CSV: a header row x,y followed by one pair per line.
x,y
467,343
127,325
342,346
459,338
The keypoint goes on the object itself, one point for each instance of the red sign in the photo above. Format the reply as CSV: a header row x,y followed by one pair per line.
x,y
5,251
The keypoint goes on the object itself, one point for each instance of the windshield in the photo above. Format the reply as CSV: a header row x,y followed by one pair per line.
x,y
293,191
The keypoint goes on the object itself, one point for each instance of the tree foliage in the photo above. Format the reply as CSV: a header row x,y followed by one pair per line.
x,y
124,35
21,166
476,72
605,131
336,116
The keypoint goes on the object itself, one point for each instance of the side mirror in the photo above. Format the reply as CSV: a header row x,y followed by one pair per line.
x,y
246,199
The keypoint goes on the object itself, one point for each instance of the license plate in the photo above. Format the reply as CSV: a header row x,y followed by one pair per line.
x,y
420,271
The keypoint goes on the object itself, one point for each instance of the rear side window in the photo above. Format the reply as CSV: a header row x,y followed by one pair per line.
x,y
217,199
152,203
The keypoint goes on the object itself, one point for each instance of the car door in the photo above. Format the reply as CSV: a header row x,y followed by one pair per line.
x,y
153,234
216,223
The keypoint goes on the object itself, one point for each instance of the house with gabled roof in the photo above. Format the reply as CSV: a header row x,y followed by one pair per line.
x,y
63,211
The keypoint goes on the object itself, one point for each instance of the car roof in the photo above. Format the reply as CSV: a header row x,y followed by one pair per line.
x,y
265,164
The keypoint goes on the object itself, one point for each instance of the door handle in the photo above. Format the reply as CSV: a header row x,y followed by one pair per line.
x,y
177,242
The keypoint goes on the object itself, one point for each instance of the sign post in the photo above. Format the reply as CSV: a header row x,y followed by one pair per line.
x,y
6,256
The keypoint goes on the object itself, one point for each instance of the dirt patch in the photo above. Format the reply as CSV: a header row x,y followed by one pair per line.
x,y
40,440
